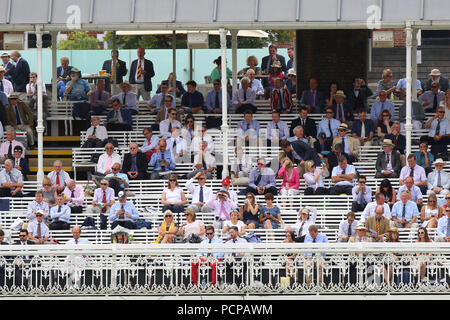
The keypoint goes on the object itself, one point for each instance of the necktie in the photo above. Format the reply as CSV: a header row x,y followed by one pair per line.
x,y
276,126
104,201
343,171
116,116
300,230
59,208
163,167
72,195
95,130
314,240
245,95
133,165
404,211
210,240
139,70
240,167
248,126
76,241
234,254
411,173
108,163
10,155
303,122
1,86
122,215
124,98
313,92
343,143
448,227
341,112
174,144
200,198
216,101
439,183
112,71
258,179
435,103
204,163
388,159
39,230
223,211
170,127
378,226
57,179
13,180
363,130
17,116
329,128
349,232
438,128
361,199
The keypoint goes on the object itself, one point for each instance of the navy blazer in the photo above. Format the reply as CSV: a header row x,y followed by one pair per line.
x,y
65,73
21,75
23,163
348,112
266,58
9,67
126,116
307,99
148,66
368,125
141,162
307,153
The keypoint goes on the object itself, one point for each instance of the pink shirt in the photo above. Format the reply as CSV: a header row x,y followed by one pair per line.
x,y
293,182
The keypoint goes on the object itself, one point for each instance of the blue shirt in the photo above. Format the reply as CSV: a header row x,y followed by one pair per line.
x,y
156,101
444,127
323,127
401,84
128,207
410,210
211,100
154,161
442,226
121,175
420,157
367,196
63,215
4,98
79,90
320,238
379,106
248,129
267,178
214,254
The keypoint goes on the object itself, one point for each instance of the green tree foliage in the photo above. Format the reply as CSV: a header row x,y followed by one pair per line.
x,y
79,41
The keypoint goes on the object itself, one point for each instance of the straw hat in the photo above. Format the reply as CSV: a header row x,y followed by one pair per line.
x,y
435,72
387,142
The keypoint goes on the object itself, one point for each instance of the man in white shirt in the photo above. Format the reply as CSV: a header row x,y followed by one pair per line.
x,y
241,166
438,180
200,193
443,230
101,203
413,191
96,134
37,230
107,159
200,137
255,84
7,147
165,126
76,233
277,130
204,162
347,227
342,176
58,176
150,143
416,172
371,206
158,100
244,98
177,145
37,204
128,98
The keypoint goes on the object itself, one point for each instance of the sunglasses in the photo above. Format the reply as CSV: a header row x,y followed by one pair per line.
x,y
385,115
441,111
201,178
432,201
188,214
172,180
260,164
209,233
168,216
104,184
329,112
109,148
174,114
114,169
362,182
421,232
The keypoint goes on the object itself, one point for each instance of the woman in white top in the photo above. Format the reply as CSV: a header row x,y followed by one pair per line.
x,y
307,217
234,216
431,212
446,104
191,226
314,179
173,197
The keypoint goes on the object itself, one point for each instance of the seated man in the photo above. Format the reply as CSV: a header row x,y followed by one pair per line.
x,y
38,204
397,139
371,206
11,181
165,126
404,212
38,232
414,193
308,124
60,214
201,194
99,99
416,172
312,99
424,157
74,196
380,105
438,180
204,162
255,84
7,147
58,176
362,195
431,99
388,163
102,202
303,152
350,144
117,180
77,89
96,135
323,146
196,143
363,129
163,112
214,99
135,164
261,180
241,165
378,225
280,98
177,145
192,101
123,213
21,163
299,134
19,117
342,110
150,143
342,176
332,157
157,102
244,98
248,130
107,159
127,98
162,161
443,229
329,125
438,134
277,130
347,227
417,114
75,240
360,236
119,119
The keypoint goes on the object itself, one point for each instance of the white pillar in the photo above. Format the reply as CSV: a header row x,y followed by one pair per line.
x,y
54,35
113,67
234,57
174,62
40,126
414,65
408,125
224,127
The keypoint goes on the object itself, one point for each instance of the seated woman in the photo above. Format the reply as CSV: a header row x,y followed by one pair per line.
x,y
390,195
392,236
191,226
422,236
167,231
314,179
188,131
275,72
47,191
233,222
252,63
173,197
431,212
330,100
249,212
291,179
269,215
291,83
384,124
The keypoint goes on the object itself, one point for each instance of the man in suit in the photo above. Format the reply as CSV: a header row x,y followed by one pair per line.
x,y
141,73
21,74
435,76
357,97
63,71
302,153
363,129
19,117
378,225
119,119
308,124
267,61
135,163
397,139
7,65
350,144
21,163
280,98
120,72
388,163
342,110
312,99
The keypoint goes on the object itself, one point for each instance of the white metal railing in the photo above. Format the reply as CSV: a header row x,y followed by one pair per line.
x,y
263,269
